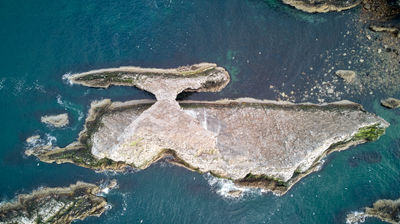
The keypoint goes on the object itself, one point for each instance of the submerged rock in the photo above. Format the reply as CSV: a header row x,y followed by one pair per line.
x,y
55,205
255,143
380,10
391,103
348,75
385,210
368,157
391,30
57,121
318,6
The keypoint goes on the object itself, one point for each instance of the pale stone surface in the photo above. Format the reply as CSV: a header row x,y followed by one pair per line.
x,y
393,30
391,103
163,83
321,6
257,143
57,121
230,138
348,75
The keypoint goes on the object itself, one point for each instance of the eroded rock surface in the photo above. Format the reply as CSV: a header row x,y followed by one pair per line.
x,y
391,103
392,30
57,121
55,205
385,210
320,6
348,75
255,143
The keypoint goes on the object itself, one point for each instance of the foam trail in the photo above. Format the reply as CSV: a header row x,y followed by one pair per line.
x,y
70,106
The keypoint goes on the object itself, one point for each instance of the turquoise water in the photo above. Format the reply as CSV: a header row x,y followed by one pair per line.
x,y
261,43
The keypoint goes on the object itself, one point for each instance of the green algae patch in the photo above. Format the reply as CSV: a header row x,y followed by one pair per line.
x,y
370,133
81,156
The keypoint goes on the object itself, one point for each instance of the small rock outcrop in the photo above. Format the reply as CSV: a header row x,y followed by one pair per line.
x,y
348,75
380,10
385,210
391,103
55,205
255,143
57,121
32,139
321,6
392,30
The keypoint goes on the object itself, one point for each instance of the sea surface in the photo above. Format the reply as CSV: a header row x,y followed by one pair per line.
x,y
260,42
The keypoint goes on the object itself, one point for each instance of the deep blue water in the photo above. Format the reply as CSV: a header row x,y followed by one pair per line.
x,y
261,43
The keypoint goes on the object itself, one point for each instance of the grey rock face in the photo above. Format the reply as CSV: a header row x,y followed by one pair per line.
x,y
256,143
321,6
348,75
391,103
57,121
55,205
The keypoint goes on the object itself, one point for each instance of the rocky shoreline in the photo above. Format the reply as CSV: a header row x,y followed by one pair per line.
x,y
55,205
312,6
385,210
255,143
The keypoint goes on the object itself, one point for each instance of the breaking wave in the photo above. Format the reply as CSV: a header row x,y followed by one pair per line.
x,y
355,217
225,187
37,141
65,78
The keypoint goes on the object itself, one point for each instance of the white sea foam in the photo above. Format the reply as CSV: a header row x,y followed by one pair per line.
x,y
21,86
125,197
70,106
48,140
320,164
355,217
38,87
224,187
2,81
65,78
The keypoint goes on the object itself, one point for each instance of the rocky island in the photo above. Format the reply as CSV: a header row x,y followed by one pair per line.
x,y
254,143
58,121
321,6
385,210
55,205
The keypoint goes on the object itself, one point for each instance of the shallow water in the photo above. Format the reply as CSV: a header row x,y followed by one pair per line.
x,y
261,43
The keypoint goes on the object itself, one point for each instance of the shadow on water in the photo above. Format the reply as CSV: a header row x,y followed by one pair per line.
x,y
367,157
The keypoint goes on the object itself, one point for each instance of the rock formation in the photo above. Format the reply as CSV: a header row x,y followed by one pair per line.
x,y
348,75
319,6
385,210
255,143
391,103
55,205
57,121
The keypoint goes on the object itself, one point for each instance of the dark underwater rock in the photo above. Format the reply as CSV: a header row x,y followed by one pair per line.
x,y
367,157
